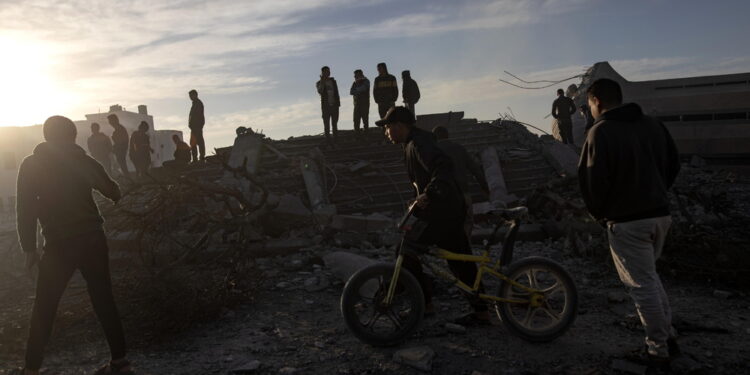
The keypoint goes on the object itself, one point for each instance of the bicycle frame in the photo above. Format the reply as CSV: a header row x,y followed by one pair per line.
x,y
483,269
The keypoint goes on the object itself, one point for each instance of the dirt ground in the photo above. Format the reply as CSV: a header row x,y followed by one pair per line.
x,y
288,329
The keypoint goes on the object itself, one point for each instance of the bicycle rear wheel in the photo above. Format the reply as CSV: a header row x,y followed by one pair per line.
x,y
366,314
546,315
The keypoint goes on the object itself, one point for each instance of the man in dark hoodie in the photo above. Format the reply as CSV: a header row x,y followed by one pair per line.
x,y
385,90
463,165
440,206
628,163
410,91
562,109
196,121
120,144
100,147
55,186
329,102
361,92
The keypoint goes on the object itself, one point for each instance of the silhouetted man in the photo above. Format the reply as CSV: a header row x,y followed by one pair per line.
x,y
439,205
385,90
55,186
140,150
410,91
329,102
463,165
181,154
628,163
120,141
562,108
100,147
196,121
360,91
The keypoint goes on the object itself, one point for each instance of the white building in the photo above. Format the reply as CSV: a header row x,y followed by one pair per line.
x,y
18,142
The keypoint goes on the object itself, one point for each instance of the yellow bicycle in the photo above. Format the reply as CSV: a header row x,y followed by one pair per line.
x,y
536,299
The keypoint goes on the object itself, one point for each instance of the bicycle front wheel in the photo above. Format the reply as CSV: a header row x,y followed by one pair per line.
x,y
546,314
369,317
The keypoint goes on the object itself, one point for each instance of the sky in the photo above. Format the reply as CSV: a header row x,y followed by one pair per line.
x,y
255,63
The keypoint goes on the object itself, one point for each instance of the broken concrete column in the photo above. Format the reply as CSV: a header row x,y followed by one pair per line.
x,y
246,147
494,175
316,189
562,157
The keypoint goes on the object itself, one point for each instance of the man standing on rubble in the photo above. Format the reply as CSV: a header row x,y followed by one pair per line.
x,y
627,164
410,91
562,109
385,90
360,91
463,165
440,205
55,186
100,147
329,103
196,121
120,144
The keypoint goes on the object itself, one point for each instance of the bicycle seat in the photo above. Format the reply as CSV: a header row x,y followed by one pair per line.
x,y
514,213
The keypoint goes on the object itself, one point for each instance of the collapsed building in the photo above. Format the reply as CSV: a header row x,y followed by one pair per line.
x,y
707,116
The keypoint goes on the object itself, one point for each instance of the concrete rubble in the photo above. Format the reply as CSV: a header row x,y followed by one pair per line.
x,y
287,222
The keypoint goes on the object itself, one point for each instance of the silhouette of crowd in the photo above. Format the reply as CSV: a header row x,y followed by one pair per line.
x,y
384,91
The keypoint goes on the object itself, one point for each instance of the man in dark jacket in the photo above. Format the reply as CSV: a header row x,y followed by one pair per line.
x,y
196,121
54,188
463,165
562,108
440,205
120,144
329,102
181,154
360,91
385,90
628,163
100,147
410,91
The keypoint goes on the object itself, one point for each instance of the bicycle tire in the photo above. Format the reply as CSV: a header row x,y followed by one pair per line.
x,y
408,290
567,314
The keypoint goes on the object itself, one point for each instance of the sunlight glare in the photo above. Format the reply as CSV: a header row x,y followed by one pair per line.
x,y
29,90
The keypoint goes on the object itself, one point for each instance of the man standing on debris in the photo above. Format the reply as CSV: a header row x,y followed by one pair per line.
x,y
100,147
140,150
410,91
440,205
385,90
54,188
329,102
196,121
463,165
562,108
360,91
627,164
181,154
120,141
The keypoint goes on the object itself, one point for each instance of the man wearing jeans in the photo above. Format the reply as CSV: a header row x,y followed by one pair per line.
x,y
627,164
55,186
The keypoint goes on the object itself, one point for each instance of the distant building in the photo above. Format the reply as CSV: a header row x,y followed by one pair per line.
x,y
18,142
708,115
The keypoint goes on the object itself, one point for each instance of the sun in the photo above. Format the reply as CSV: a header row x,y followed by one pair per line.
x,y
29,88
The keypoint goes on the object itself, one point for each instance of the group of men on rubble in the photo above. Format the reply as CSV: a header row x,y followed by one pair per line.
x,y
138,144
384,91
628,163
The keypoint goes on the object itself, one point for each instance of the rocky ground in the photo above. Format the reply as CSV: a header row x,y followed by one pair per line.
x,y
292,324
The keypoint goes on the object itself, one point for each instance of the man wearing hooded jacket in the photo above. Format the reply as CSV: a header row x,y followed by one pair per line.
x,y
55,186
410,91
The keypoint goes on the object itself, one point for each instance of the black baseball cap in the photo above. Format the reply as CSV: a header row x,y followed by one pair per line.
x,y
397,114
